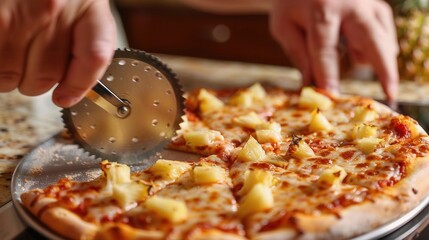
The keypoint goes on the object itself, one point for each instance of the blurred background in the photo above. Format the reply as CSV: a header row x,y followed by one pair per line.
x,y
167,26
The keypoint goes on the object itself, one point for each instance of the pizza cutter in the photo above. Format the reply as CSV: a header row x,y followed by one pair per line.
x,y
131,113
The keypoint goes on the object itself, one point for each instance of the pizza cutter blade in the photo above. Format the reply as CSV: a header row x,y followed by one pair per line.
x,y
133,111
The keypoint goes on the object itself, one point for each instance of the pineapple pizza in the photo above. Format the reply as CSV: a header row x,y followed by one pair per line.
x,y
274,164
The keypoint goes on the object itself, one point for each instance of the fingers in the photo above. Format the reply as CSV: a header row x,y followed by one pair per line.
x,y
385,61
384,14
20,22
368,28
292,39
308,32
383,57
94,41
323,40
35,47
368,36
46,60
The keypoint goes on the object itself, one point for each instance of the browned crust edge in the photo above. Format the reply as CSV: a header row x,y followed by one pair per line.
x,y
68,224
60,220
114,231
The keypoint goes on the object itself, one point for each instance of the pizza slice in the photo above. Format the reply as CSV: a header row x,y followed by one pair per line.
x,y
78,209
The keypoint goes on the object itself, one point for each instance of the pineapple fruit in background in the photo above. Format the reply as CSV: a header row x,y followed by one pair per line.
x,y
412,26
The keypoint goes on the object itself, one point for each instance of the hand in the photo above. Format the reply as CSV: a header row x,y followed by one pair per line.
x,y
48,42
309,32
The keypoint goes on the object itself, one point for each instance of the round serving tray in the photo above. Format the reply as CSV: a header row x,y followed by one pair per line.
x,y
59,158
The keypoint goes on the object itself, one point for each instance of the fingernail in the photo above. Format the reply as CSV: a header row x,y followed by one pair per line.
x,y
66,101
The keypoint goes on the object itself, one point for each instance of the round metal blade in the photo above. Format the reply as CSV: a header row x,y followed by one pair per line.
x,y
156,102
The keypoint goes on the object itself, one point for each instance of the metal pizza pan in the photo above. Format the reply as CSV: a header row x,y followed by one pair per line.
x,y
58,158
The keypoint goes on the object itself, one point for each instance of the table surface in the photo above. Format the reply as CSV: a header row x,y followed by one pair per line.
x,y
27,121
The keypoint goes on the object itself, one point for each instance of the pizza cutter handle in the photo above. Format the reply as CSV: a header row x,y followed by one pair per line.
x,y
101,95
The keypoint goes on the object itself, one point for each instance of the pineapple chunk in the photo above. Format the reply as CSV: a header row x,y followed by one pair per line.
x,y
309,98
275,126
173,210
300,149
269,132
363,130
116,173
268,136
257,91
319,122
259,198
364,114
332,176
209,102
127,194
251,151
247,97
242,98
368,145
169,169
255,176
202,138
250,120
209,174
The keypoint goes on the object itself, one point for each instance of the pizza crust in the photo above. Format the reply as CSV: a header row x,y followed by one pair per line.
x,y
278,234
352,221
32,201
68,224
61,220
214,234
114,231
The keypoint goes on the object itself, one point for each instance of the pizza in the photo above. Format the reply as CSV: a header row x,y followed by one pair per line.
x,y
274,164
